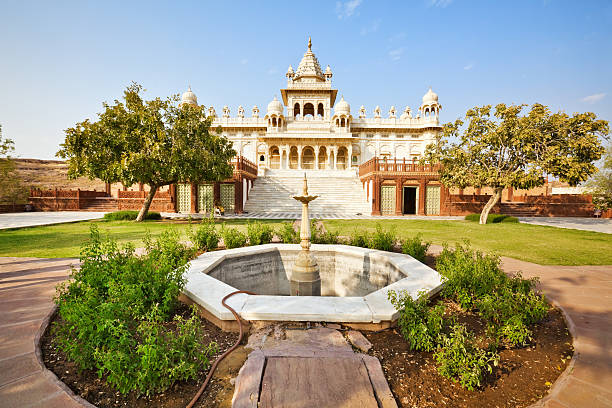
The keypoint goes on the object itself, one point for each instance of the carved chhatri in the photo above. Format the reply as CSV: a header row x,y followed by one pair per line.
x,y
305,278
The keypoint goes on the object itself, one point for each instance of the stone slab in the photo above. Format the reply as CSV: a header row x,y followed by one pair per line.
x,y
246,393
316,382
359,341
383,393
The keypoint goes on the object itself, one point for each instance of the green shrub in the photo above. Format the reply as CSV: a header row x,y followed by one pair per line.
x,y
469,275
318,236
232,238
287,234
116,315
359,239
128,215
492,218
382,240
419,324
415,247
259,233
205,237
460,360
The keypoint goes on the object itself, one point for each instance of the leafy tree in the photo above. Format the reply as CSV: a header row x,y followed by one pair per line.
x,y
156,142
12,190
503,148
600,185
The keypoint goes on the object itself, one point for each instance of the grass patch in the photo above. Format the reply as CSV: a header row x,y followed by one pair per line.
x,y
65,240
532,243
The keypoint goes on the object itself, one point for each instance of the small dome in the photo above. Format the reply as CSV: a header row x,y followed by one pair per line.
x,y
328,70
430,97
342,107
406,114
275,107
189,97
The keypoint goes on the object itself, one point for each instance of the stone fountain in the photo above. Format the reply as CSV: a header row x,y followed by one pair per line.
x,y
305,279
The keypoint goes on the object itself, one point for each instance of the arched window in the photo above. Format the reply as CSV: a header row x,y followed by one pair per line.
x,y
322,165
273,121
308,158
320,110
274,158
341,160
309,109
296,110
293,158
342,124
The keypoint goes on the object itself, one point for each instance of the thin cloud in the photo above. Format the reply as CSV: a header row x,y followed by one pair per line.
x,y
440,3
372,28
593,98
347,8
397,37
397,53
468,66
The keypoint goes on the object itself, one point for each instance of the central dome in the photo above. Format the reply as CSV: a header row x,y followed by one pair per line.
x,y
189,97
430,97
309,66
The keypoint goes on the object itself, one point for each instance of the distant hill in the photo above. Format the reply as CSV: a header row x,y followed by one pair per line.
x,y
50,174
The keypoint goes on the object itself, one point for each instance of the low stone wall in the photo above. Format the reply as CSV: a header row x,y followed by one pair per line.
x,y
559,205
158,204
10,208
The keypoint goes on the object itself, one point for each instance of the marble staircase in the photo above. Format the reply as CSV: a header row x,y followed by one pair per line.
x,y
341,192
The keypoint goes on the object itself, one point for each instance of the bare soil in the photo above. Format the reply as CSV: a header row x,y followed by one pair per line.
x,y
86,383
524,375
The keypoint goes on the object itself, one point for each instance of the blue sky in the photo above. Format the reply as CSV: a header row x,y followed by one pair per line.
x,y
59,60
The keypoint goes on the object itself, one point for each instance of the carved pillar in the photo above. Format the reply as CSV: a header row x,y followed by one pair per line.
x,y
350,156
173,197
238,195
316,166
300,148
398,196
335,158
422,184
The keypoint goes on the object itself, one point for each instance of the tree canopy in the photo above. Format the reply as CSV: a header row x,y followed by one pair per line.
x,y
501,148
600,185
156,142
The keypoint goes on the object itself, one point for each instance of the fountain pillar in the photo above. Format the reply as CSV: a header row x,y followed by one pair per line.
x,y
305,279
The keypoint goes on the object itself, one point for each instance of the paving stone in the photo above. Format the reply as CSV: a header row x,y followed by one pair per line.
x,y
383,393
316,382
359,341
18,367
246,392
27,391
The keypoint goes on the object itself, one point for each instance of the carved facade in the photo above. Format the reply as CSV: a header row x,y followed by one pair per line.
x,y
308,129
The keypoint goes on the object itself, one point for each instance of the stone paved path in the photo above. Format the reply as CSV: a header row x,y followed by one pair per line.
x,y
27,286
31,219
579,223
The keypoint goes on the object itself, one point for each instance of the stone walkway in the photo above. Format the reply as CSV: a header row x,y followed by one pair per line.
x,y
27,286
31,219
579,223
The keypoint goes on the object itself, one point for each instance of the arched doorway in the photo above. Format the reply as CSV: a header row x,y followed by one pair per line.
x,y
284,160
308,158
274,158
322,165
341,160
293,158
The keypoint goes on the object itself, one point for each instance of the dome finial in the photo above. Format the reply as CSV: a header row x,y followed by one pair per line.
x,y
309,44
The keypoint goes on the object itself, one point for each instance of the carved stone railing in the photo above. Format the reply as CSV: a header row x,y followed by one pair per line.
x,y
244,165
377,164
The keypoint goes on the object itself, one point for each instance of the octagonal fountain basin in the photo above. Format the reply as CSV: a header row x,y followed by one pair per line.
x,y
354,283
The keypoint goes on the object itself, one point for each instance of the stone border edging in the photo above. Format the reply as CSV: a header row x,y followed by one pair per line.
x,y
566,374
50,375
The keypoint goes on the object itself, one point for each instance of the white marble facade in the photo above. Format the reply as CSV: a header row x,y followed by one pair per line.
x,y
309,130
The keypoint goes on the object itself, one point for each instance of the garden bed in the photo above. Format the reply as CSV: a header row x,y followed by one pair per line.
x,y
90,387
523,376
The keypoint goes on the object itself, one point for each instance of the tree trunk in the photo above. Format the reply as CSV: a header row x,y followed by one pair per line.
x,y
147,203
490,204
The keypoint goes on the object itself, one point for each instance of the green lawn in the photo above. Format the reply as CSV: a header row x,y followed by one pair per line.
x,y
65,240
533,243
543,245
